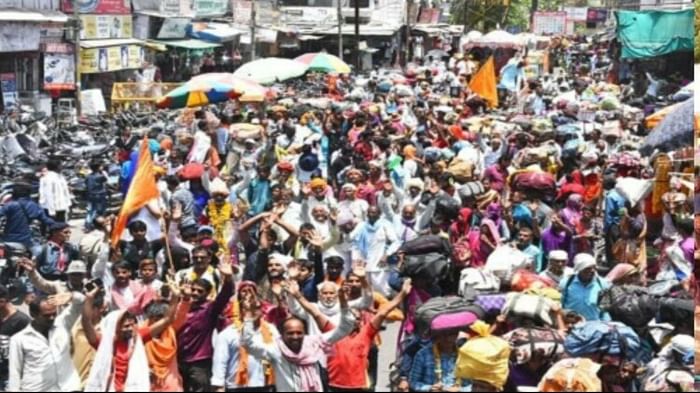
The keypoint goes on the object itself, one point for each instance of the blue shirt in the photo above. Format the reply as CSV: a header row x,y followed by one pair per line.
x,y
259,195
613,203
583,299
222,140
422,376
19,215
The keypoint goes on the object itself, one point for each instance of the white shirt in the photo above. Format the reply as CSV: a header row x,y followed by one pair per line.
x,y
41,365
383,242
287,375
226,357
357,207
54,195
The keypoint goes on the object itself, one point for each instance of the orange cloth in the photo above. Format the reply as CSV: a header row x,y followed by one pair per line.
x,y
161,353
142,189
484,83
242,371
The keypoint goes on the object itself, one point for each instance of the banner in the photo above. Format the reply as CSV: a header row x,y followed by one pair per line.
x,y
121,7
242,11
549,23
175,7
210,8
8,86
99,27
115,58
576,14
174,28
597,15
59,71
429,15
19,37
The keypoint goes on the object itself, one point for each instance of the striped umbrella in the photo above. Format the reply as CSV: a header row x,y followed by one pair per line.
x,y
324,62
251,91
198,93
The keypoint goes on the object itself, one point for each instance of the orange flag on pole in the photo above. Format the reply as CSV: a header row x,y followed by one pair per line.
x,y
143,188
484,83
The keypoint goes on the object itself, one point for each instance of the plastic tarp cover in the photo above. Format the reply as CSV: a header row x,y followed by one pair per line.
x,y
645,34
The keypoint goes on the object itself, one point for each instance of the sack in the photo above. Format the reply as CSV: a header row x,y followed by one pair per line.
x,y
633,189
525,279
431,266
471,189
480,281
602,338
484,359
675,378
572,375
504,261
535,181
675,310
549,343
631,305
447,207
492,304
459,320
428,311
462,170
529,306
426,245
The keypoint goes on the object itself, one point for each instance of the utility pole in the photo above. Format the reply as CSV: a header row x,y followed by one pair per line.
x,y
357,34
76,32
340,29
253,20
408,30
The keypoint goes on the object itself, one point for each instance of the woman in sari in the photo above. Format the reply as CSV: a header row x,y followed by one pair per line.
x,y
483,242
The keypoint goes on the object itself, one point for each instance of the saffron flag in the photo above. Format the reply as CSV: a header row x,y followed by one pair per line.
x,y
142,189
484,83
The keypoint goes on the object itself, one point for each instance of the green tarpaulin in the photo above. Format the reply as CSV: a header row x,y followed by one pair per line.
x,y
645,34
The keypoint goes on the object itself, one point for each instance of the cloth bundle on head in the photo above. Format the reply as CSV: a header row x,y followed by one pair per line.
x,y
318,183
219,187
484,358
416,183
285,166
621,271
284,260
559,255
137,379
349,187
583,261
345,217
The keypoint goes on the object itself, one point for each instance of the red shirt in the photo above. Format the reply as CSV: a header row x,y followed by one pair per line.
x,y
122,355
347,368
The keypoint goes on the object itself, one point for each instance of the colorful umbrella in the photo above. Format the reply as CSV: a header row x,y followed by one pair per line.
x,y
324,62
251,90
271,70
673,132
198,93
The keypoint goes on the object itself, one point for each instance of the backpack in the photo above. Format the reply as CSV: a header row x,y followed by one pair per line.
x,y
597,338
437,306
433,266
572,375
425,245
527,341
631,305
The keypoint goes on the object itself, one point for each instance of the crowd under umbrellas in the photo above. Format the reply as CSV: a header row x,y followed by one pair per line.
x,y
272,223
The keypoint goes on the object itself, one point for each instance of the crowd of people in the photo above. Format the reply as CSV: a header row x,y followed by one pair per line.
x,y
527,246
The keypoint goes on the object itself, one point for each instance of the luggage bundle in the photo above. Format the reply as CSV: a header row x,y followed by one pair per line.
x,y
526,342
631,305
539,182
484,358
603,339
426,256
572,375
504,261
525,279
446,313
533,307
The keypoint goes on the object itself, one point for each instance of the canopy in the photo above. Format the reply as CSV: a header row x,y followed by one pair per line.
x,y
324,62
251,90
213,32
496,39
673,132
645,34
271,70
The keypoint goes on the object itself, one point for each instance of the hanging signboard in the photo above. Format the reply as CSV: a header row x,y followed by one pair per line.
x,y
114,58
175,7
8,86
98,27
549,23
576,14
242,11
92,102
19,37
597,15
210,8
120,7
59,71
429,15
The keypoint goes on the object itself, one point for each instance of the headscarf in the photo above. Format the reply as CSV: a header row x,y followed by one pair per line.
x,y
494,212
572,213
313,350
461,227
318,183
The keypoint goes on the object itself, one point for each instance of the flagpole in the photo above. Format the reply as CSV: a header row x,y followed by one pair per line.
x,y
165,228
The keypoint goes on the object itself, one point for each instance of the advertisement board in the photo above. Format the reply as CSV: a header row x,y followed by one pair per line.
x,y
8,86
98,27
120,7
576,14
59,71
114,58
549,23
242,11
210,7
19,37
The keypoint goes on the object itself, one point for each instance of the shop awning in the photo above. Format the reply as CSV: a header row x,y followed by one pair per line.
x,y
305,37
646,34
213,32
90,44
188,44
365,30
19,15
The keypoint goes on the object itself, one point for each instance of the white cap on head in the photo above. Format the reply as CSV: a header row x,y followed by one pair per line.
x,y
559,255
583,261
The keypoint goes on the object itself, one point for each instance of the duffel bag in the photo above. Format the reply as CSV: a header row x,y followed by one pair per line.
x,y
535,181
432,266
525,279
529,306
480,281
471,189
447,207
449,305
572,375
504,261
597,338
549,343
492,304
484,358
425,245
675,310
459,320
629,304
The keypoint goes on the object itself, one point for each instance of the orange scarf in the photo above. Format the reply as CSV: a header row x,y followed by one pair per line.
x,y
242,371
161,352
